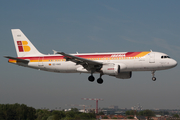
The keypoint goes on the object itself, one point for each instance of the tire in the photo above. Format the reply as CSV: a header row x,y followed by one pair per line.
x,y
100,80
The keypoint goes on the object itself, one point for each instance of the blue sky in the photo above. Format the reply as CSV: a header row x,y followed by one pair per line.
x,y
90,26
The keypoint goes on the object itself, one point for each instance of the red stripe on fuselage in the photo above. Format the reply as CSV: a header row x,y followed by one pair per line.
x,y
132,54
128,54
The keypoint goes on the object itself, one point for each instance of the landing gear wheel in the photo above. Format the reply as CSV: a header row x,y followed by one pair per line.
x,y
100,80
153,74
154,78
91,78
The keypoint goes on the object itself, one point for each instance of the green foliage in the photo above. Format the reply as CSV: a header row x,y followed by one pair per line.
x,y
100,113
75,114
176,115
147,113
131,112
16,111
163,112
75,110
58,115
105,117
22,112
42,114
130,117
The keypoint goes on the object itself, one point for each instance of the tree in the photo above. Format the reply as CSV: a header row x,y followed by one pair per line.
x,y
131,112
176,115
58,115
130,117
42,114
100,113
16,112
74,110
147,113
105,117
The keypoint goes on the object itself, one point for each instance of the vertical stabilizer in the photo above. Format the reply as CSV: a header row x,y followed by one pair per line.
x,y
24,47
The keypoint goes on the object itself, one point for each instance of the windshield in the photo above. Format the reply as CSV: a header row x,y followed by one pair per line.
x,y
165,57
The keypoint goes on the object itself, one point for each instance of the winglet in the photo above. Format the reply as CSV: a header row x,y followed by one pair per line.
x,y
54,51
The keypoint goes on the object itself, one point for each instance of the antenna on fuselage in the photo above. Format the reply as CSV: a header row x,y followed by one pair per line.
x,y
150,50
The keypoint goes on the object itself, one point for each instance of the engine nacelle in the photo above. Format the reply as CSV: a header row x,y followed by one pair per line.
x,y
111,69
117,70
124,75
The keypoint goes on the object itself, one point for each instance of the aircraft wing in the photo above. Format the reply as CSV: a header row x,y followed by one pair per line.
x,y
87,64
17,59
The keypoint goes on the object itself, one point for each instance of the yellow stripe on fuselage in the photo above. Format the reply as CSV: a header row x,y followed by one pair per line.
x,y
142,54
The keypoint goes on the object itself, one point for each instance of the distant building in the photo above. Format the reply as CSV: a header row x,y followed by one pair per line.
x,y
113,107
111,116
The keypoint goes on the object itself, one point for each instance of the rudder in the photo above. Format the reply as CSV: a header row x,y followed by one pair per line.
x,y
23,46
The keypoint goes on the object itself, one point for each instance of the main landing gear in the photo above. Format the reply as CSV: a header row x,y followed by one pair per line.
x,y
99,80
91,78
153,74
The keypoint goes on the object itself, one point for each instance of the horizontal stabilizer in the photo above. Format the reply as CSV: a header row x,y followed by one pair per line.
x,y
17,59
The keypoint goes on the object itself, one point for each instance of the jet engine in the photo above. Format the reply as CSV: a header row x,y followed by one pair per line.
x,y
113,69
124,75
116,70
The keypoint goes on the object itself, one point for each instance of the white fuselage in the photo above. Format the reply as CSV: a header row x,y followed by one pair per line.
x,y
151,62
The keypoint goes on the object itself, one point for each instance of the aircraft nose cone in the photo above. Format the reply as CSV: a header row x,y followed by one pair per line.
x,y
174,63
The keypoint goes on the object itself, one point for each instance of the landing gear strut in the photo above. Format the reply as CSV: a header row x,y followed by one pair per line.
x,y
153,74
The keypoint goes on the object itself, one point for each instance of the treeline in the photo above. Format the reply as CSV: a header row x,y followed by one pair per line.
x,y
23,112
150,113
16,112
147,113
141,113
73,114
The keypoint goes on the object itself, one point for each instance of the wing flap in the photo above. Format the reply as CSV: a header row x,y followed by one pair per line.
x,y
78,59
87,64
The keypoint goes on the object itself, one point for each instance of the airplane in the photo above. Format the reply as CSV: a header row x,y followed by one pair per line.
x,y
116,64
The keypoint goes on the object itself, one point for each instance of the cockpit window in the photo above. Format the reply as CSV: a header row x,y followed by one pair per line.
x,y
163,57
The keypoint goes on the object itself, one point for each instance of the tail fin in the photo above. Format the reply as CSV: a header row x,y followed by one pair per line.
x,y
23,46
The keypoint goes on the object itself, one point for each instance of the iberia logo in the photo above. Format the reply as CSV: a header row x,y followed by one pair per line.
x,y
23,46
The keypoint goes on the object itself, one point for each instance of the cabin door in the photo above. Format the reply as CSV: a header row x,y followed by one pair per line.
x,y
152,58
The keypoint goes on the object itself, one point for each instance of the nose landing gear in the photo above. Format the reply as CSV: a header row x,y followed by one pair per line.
x,y
153,74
